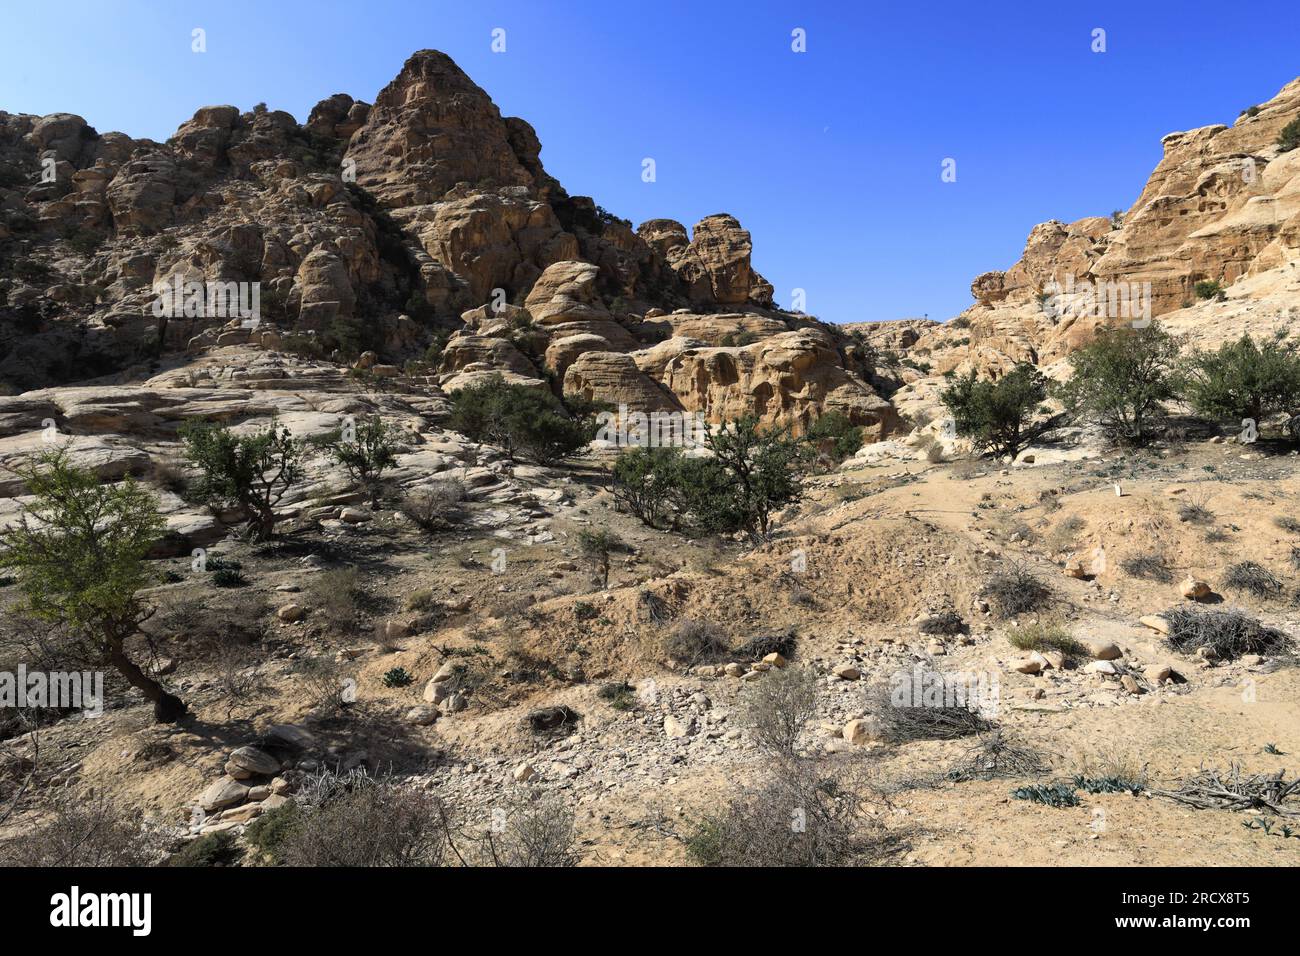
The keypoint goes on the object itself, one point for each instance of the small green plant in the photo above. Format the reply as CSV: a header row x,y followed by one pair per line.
x,y
1046,636
1111,784
1049,794
1288,523
585,611
270,832
398,677
619,694
212,849
228,578
1273,749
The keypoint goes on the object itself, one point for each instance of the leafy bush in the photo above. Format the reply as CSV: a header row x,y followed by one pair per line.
x,y
761,468
270,833
1122,379
999,417
833,431
1289,136
1244,380
751,474
251,471
1209,289
1228,634
1015,590
366,450
596,547
211,849
522,421
645,484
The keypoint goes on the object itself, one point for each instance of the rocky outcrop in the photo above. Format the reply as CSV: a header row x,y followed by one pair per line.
x,y
425,217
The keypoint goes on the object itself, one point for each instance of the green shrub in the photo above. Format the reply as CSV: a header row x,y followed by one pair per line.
x,y
1000,416
1210,289
212,849
366,450
834,430
522,421
271,832
1045,636
1122,379
1289,136
398,677
1050,794
1243,379
645,482
79,551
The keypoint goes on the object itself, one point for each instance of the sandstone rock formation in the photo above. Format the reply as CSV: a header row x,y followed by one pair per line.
x,y
424,218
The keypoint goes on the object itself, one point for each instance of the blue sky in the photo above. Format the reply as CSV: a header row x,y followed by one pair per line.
x,y
831,158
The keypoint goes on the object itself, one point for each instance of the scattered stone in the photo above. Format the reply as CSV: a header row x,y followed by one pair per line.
x,y
291,612
847,672
1193,589
254,762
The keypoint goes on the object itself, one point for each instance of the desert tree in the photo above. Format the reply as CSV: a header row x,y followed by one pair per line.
x,y
1000,416
1122,379
252,471
366,450
78,551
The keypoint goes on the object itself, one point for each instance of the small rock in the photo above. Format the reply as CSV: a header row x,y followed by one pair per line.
x,y
523,772
291,612
1102,650
847,672
1193,589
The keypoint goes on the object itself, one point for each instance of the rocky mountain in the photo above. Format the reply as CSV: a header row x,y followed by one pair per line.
x,y
1222,205
426,217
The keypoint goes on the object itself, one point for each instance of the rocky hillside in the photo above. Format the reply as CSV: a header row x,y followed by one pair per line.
x,y
424,219
1222,205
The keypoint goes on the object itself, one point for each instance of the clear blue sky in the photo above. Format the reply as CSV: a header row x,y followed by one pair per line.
x,y
831,157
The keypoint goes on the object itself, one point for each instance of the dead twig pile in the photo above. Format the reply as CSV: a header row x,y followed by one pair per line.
x,y
1216,789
